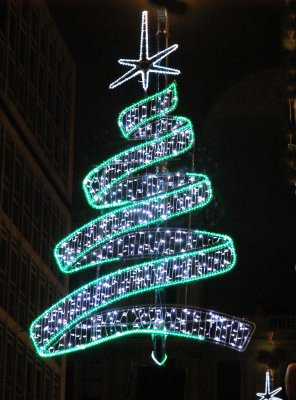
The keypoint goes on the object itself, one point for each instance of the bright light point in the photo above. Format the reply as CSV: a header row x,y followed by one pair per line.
x,y
160,364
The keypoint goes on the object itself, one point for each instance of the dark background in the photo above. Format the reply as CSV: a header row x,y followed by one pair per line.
x,y
233,88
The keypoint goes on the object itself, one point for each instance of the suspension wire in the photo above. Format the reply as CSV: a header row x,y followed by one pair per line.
x,y
162,37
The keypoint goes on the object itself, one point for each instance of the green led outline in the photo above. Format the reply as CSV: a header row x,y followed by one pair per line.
x,y
228,244
185,128
88,179
172,87
187,187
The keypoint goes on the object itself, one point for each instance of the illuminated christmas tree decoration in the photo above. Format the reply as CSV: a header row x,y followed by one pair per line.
x,y
269,394
131,235
145,65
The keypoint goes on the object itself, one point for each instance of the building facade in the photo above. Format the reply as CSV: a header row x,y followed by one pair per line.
x,y
37,83
289,44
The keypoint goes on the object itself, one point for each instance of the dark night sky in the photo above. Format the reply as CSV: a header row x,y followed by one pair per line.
x,y
233,87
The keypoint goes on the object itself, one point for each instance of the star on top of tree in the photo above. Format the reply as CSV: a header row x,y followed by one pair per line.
x,y
145,64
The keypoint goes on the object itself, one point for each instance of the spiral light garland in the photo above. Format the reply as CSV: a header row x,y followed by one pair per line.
x,y
132,231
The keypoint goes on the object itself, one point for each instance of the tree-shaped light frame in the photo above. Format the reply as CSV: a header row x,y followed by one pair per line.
x,y
133,231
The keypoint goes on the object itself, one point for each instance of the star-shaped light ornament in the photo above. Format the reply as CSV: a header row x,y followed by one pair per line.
x,y
145,65
270,395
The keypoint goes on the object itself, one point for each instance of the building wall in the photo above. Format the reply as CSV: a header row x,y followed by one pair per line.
x,y
37,83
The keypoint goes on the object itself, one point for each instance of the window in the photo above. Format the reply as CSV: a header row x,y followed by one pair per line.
x,y
31,107
63,226
30,377
11,76
60,73
34,24
42,293
37,201
45,214
7,175
40,123
48,136
68,84
21,92
41,82
10,359
51,294
20,367
9,365
54,224
2,355
2,55
4,251
25,11
1,148
65,162
28,190
3,288
13,280
39,381
14,263
57,149
22,313
43,41
66,127
27,204
32,65
17,190
12,30
50,97
58,112
51,56
48,384
45,250
24,273
4,260
33,288
23,287
11,309
56,388
18,174
3,16
23,48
